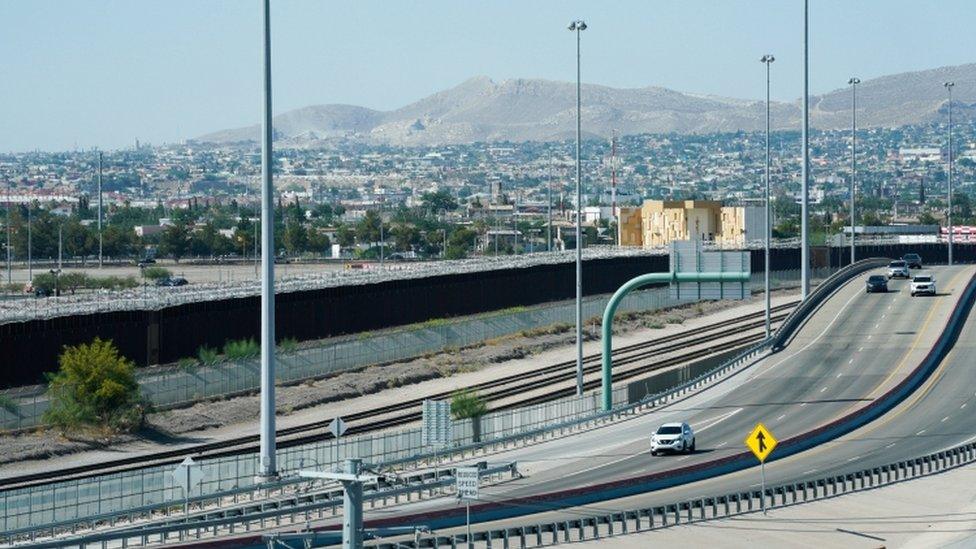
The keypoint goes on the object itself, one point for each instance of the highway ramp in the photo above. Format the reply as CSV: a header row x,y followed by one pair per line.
x,y
852,349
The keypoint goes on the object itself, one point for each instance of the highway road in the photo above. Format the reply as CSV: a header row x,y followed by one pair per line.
x,y
852,350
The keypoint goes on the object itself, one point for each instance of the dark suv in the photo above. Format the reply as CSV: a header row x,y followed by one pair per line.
x,y
877,283
914,261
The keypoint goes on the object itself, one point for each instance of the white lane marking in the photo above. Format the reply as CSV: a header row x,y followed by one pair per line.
x,y
683,458
889,446
722,444
821,335
851,361
802,404
876,326
715,420
859,349
920,432
963,406
944,419
838,375
855,458
808,472
869,336
822,390
882,315
780,417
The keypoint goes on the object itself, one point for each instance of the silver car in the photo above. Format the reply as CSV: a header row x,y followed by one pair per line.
x,y
898,269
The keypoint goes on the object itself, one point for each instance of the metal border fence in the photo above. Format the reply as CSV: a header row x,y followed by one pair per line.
x,y
173,386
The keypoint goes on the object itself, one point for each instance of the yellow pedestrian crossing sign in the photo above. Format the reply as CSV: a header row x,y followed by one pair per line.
x,y
761,442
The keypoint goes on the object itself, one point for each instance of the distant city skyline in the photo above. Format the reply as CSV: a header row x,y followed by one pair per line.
x,y
106,73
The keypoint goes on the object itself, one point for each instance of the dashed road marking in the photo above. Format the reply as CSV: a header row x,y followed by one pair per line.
x,y
780,417
944,419
920,432
822,390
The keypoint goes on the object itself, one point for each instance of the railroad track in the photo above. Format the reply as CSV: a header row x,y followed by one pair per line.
x,y
493,390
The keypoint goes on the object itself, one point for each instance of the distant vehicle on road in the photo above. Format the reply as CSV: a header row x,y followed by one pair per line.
x,y
914,261
898,269
877,283
673,437
923,285
146,261
172,281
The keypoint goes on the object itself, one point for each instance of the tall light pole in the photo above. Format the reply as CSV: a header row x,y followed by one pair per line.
x,y
7,223
267,468
948,87
99,209
805,171
578,27
767,60
854,81
549,209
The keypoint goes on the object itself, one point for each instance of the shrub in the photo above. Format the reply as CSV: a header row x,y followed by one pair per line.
x,y
208,355
241,349
467,404
94,386
73,280
288,345
156,273
44,281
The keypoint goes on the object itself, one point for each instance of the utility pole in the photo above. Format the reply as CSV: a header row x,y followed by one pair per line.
x,y
948,87
30,261
578,27
267,467
99,209
7,223
854,81
767,60
805,175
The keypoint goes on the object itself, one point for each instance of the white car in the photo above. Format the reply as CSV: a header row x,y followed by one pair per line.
x,y
923,285
673,437
898,269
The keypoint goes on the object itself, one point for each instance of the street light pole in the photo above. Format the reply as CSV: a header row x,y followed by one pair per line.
x,y
805,175
267,468
854,81
767,60
579,26
99,209
948,87
549,210
7,223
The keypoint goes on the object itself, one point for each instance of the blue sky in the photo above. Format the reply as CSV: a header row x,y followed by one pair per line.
x,y
84,73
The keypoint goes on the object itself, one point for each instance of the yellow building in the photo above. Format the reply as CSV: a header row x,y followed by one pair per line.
x,y
662,221
659,222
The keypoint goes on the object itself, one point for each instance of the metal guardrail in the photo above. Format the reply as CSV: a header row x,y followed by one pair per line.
x,y
818,296
298,509
702,509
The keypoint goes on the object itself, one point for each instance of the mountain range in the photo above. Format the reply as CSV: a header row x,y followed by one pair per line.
x,y
482,110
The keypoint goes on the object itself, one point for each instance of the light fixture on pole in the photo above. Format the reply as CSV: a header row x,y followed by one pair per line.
x,y
267,466
99,209
948,87
578,27
854,81
767,236
805,170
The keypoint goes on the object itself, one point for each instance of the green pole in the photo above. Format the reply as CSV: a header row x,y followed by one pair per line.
x,y
631,285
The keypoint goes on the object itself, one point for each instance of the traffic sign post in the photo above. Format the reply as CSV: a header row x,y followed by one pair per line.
x,y
187,475
467,481
337,427
761,441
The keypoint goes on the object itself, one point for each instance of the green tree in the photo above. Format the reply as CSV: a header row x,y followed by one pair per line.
x,y
467,404
94,386
439,201
175,241
368,228
460,243
296,237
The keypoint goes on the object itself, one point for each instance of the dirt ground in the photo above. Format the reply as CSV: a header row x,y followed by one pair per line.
x,y
181,424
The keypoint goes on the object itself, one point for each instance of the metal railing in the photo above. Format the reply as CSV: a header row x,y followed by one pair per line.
x,y
655,517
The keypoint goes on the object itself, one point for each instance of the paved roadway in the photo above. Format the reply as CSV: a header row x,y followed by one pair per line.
x,y
852,350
